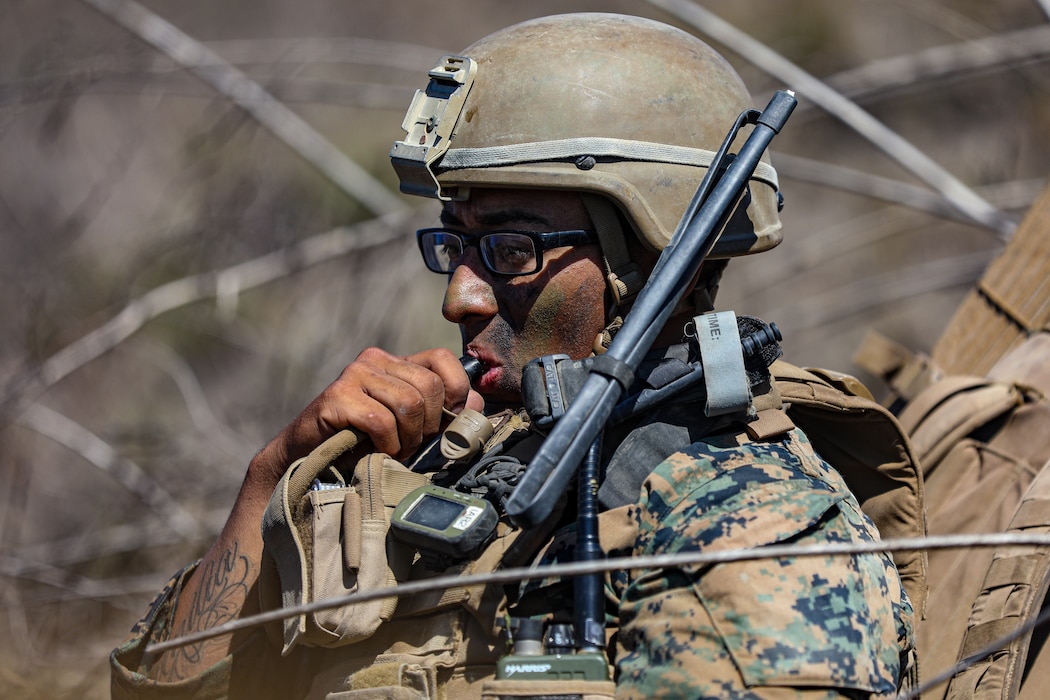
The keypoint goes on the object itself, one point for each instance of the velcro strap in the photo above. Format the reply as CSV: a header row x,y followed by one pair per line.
x,y
433,600
1012,570
1033,513
980,636
398,483
906,372
964,685
513,689
728,389
320,458
623,274
614,369
768,424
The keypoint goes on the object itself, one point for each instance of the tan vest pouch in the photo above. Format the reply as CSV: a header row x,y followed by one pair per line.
x,y
985,453
1013,592
332,541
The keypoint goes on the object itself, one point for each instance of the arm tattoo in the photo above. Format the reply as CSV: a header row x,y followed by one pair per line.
x,y
219,597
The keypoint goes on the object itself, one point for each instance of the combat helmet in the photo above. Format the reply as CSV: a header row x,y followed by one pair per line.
x,y
626,110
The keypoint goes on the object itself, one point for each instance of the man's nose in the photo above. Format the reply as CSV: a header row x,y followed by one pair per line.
x,y
469,292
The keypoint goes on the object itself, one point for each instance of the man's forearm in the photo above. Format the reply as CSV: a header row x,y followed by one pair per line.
x,y
220,590
398,402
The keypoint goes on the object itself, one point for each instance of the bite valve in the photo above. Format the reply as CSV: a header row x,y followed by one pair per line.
x,y
469,430
473,367
466,435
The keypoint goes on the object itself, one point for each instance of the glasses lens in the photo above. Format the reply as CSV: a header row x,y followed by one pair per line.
x,y
509,253
441,250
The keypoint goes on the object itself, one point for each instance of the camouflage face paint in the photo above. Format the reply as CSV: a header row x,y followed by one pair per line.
x,y
507,321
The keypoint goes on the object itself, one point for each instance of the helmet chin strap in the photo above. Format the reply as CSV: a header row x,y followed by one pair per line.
x,y
625,278
700,301
622,274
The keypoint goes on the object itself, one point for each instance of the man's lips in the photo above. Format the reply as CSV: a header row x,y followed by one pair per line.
x,y
490,381
493,369
483,355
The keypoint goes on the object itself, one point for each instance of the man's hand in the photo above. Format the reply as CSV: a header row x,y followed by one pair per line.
x,y
396,401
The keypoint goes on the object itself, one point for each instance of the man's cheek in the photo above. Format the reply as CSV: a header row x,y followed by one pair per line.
x,y
519,304
547,320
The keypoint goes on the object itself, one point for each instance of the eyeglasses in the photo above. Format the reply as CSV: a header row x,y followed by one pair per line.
x,y
502,252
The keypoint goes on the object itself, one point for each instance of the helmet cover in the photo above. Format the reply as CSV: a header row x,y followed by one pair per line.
x,y
623,107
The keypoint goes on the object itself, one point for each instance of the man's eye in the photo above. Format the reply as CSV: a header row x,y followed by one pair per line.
x,y
451,252
511,256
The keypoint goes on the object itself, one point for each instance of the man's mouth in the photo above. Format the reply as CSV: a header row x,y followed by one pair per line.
x,y
492,370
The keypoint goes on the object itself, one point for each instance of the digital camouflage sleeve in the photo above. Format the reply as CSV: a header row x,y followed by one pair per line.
x,y
826,626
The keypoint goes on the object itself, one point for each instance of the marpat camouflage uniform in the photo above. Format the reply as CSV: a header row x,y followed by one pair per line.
x,y
819,627
833,623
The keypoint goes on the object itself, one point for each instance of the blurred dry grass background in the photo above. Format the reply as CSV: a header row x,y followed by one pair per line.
x,y
137,384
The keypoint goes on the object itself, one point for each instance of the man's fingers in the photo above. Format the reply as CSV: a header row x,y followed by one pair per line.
x,y
398,402
454,381
417,393
371,417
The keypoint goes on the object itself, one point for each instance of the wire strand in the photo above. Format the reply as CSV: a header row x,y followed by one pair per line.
x,y
659,561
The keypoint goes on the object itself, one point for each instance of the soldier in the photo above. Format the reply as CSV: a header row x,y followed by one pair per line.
x,y
563,150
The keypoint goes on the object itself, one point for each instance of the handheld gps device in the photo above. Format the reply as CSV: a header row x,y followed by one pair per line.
x,y
443,521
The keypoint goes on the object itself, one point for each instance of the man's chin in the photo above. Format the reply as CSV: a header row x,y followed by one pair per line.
x,y
495,392
502,399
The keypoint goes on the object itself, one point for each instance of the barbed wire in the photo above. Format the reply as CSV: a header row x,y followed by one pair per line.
x,y
572,569
247,94
22,390
813,89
